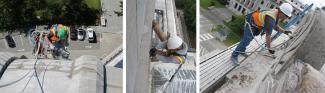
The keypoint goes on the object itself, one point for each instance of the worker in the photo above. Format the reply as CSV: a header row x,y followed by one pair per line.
x,y
38,45
58,40
171,49
262,22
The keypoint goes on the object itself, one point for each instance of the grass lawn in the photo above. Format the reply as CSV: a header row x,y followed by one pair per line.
x,y
217,4
282,24
206,3
95,4
217,28
231,39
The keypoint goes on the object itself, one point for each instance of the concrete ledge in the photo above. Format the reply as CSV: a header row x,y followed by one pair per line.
x,y
114,79
183,82
85,78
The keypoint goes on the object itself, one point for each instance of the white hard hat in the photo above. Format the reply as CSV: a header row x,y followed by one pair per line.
x,y
174,42
286,8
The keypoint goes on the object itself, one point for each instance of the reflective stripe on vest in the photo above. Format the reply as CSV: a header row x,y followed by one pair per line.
x,y
54,29
181,59
259,17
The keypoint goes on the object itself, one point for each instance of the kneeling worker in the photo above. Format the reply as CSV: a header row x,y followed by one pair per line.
x,y
171,49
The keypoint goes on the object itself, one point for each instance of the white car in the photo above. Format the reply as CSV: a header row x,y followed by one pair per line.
x,y
103,21
90,34
81,34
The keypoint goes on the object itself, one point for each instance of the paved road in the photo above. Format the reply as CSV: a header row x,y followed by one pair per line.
x,y
107,42
109,37
208,41
114,22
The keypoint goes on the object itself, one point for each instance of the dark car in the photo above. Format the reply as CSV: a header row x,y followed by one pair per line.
x,y
73,33
10,41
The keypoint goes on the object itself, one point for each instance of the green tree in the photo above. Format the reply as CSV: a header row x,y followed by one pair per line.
x,y
236,24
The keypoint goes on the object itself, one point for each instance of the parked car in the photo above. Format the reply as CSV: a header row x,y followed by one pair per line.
x,y
73,33
81,34
10,41
103,21
90,34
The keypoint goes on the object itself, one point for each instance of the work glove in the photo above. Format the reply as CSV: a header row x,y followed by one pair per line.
x,y
287,32
153,52
51,46
65,48
271,51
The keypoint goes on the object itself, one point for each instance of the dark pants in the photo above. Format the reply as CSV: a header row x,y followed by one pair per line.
x,y
247,37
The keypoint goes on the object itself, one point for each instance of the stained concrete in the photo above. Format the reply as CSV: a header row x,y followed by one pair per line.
x,y
312,50
183,82
294,70
83,75
139,15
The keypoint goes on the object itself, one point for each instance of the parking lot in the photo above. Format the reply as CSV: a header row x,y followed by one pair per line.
x,y
106,42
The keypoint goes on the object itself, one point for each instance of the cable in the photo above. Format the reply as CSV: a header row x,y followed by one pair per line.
x,y
246,23
44,73
27,83
171,78
4,85
39,83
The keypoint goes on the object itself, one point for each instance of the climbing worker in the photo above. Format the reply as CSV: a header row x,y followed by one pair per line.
x,y
262,22
58,40
38,49
171,49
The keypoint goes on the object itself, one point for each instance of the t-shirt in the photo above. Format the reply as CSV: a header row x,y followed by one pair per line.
x,y
269,24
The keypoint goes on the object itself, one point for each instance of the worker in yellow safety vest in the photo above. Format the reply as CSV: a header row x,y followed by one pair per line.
x,y
262,22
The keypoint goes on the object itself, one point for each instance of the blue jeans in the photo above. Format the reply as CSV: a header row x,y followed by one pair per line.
x,y
246,39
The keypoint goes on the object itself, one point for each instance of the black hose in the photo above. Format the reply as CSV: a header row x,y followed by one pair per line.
x,y
27,83
39,83
172,77
15,81
6,65
105,80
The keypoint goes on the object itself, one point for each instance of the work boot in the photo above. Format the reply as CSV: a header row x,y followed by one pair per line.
x,y
244,54
234,60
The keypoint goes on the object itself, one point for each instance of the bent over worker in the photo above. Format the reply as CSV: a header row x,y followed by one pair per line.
x,y
259,22
58,39
171,49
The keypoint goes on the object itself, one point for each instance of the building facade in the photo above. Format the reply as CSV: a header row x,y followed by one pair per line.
x,y
246,6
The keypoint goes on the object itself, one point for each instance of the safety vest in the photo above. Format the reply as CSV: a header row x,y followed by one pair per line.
x,y
259,17
181,58
54,31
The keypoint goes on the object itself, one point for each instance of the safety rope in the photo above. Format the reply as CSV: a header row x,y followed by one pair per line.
x,y
246,23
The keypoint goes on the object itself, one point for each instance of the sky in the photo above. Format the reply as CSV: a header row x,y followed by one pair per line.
x,y
317,3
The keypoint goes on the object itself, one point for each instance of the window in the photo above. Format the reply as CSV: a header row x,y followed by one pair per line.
x,y
236,5
262,2
239,8
244,10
